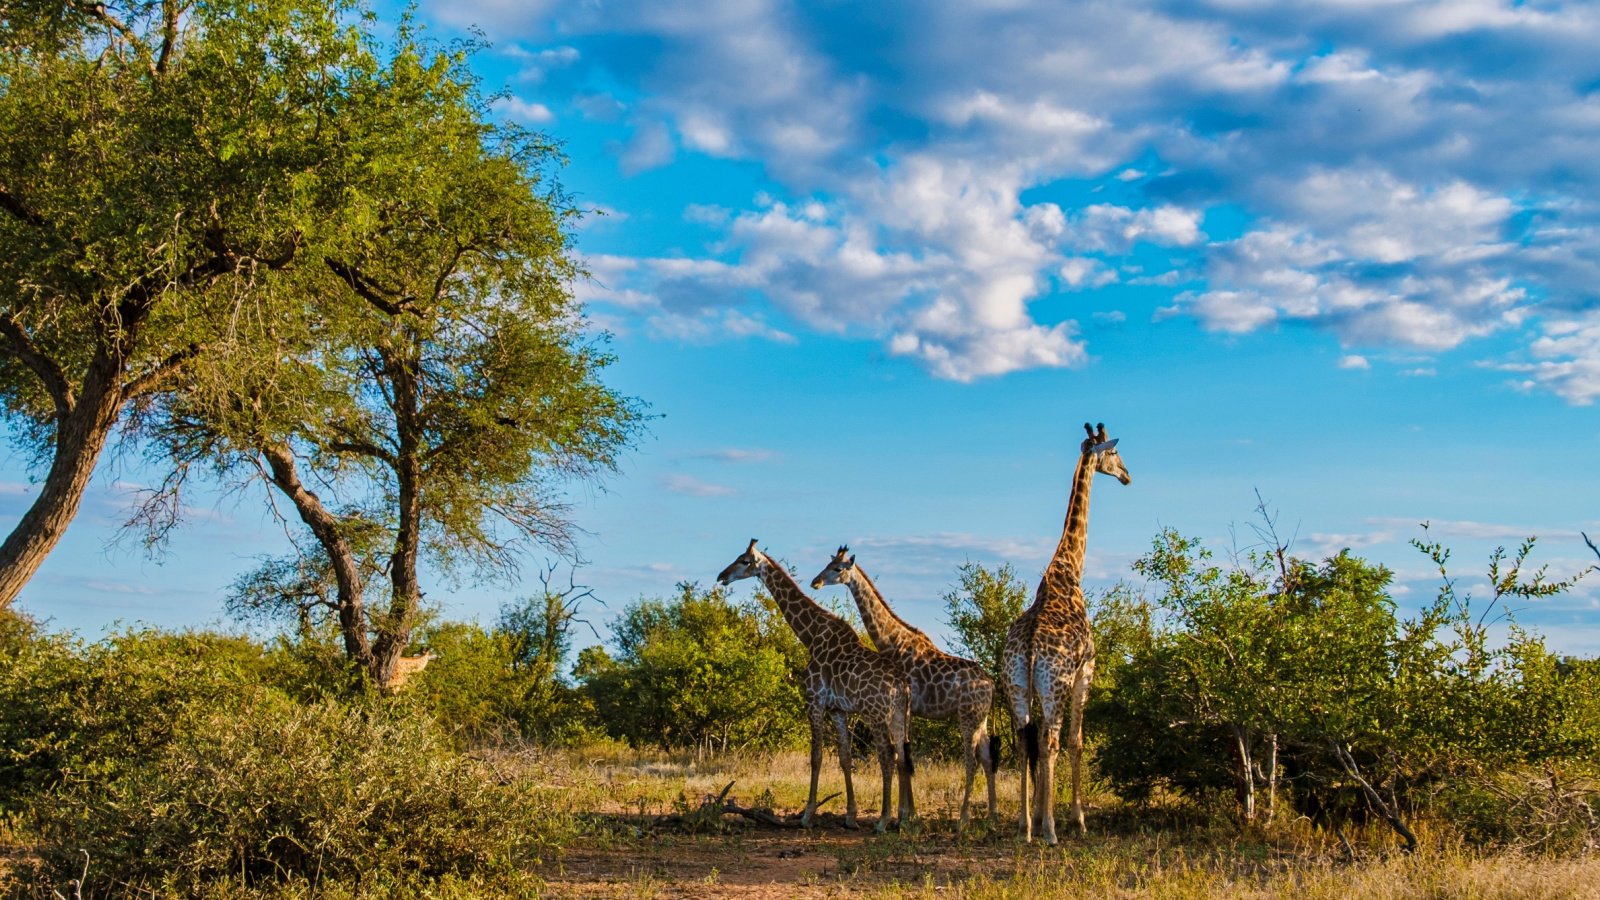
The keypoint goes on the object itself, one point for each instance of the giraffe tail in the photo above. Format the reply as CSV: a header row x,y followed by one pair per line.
x,y
905,750
1030,741
994,752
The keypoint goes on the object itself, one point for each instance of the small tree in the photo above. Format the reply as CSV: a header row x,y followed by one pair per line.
x,y
980,612
699,672
445,392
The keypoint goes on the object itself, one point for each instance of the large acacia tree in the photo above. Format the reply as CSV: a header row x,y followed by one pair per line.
x,y
444,388
157,157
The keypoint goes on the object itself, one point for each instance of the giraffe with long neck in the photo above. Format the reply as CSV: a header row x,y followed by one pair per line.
x,y
942,686
843,678
1048,660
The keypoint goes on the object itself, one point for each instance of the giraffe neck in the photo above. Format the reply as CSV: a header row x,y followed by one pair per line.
x,y
887,630
811,623
1064,576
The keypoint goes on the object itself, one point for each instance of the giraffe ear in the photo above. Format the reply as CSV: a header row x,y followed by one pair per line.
x,y
1103,447
852,560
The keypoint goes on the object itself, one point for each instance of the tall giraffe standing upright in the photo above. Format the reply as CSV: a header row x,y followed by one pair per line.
x,y
1049,653
843,677
942,686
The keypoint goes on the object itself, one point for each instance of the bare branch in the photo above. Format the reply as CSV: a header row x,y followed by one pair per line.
x,y
96,10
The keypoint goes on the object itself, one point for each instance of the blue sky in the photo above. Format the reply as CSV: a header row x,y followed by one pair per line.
x,y
872,265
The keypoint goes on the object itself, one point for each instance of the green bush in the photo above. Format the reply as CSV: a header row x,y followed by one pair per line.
x,y
37,672
480,688
1311,666
69,710
262,789
699,672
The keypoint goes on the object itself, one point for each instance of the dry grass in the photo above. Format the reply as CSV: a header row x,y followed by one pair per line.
x,y
1167,852
622,850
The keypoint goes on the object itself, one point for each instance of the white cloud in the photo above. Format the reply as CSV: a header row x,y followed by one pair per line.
x,y
650,147
524,111
679,483
1391,193
1568,360
1354,361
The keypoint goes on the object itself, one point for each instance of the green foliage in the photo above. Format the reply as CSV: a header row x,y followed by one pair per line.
x,y
69,711
37,673
981,610
1200,686
477,690
699,672
157,161
263,789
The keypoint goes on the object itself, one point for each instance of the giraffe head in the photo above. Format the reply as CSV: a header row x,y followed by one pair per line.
x,y
838,570
1104,451
748,565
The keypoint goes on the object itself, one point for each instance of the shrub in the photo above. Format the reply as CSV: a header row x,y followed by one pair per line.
x,y
480,688
699,672
262,789
68,710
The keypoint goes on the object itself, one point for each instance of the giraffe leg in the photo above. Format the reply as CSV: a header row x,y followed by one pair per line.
x,y
886,766
1017,681
846,762
900,739
1080,696
1027,765
989,756
818,722
1044,786
973,732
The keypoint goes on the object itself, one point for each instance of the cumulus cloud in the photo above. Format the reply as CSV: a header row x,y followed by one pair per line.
x,y
1567,360
524,111
1380,158
1354,361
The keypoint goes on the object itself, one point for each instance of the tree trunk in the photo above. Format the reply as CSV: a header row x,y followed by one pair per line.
x,y
1388,812
1245,774
81,435
394,631
1272,776
325,526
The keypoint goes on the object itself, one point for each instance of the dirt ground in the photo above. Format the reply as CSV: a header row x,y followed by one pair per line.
x,y
630,856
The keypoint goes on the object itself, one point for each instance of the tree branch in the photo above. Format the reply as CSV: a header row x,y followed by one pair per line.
x,y
369,290
152,380
170,10
364,448
1390,815
55,381
13,205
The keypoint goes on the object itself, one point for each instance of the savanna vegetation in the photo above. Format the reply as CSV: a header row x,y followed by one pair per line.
x,y
255,244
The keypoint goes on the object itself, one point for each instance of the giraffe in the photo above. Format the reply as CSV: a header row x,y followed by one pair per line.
x,y
942,686
843,678
1049,653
